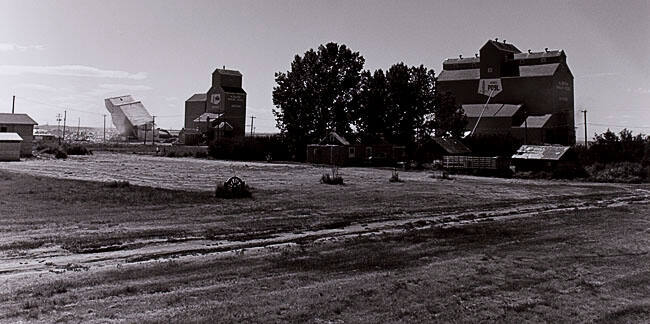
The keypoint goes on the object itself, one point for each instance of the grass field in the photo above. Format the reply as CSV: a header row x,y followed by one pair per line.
x,y
163,249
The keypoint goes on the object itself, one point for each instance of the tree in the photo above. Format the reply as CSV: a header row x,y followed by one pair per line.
x,y
318,94
370,118
409,98
448,118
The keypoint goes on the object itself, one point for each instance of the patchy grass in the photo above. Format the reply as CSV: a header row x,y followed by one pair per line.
x,y
544,269
572,266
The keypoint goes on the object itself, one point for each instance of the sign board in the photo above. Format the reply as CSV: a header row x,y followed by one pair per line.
x,y
489,87
216,98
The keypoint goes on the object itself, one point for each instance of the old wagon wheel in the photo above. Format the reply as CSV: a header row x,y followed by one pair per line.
x,y
234,184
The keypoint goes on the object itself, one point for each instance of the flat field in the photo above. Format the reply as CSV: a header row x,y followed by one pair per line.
x,y
76,246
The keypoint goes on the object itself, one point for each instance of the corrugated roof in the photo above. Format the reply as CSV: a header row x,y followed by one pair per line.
x,y
204,117
535,55
136,114
536,121
541,152
198,97
10,137
452,146
538,70
465,74
492,110
475,74
16,119
465,60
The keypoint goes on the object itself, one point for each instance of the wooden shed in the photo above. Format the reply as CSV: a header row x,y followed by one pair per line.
x,y
10,146
21,124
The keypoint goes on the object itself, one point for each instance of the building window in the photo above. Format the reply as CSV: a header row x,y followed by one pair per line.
x,y
351,152
490,70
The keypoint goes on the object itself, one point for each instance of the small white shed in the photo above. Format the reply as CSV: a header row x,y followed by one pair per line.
x,y
10,146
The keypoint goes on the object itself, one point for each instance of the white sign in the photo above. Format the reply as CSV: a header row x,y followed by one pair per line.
x,y
216,98
489,87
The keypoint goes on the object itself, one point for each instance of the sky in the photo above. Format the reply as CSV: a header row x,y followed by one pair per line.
x,y
72,54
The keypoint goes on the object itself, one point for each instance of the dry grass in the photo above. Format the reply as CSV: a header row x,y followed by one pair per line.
x,y
571,266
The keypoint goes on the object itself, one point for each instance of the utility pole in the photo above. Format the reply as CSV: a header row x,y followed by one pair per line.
x,y
58,125
104,127
252,119
525,127
13,103
584,112
78,126
65,116
145,134
153,131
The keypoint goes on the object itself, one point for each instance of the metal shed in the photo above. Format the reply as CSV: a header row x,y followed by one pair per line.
x,y
10,146
542,157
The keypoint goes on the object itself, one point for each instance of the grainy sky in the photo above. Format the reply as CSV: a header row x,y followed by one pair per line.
x,y
75,53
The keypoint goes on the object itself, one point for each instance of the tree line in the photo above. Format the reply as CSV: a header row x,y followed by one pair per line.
x,y
327,89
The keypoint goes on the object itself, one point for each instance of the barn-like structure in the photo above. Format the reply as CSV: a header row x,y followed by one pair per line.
x,y
535,104
21,124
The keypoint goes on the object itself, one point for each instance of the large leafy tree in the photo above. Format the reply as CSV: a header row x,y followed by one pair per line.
x,y
370,118
448,118
410,97
318,94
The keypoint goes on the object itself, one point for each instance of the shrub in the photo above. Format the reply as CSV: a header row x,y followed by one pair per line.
x,y
395,177
76,149
233,188
53,149
60,154
334,179
627,172
170,154
200,155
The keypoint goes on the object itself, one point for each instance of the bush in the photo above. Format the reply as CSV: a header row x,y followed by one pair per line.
x,y
233,188
334,179
76,149
60,154
395,177
627,172
170,154
200,155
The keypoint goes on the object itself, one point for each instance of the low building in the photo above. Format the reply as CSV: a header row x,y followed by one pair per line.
x,y
434,149
10,146
542,157
21,124
335,149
